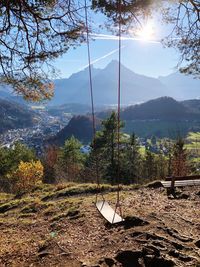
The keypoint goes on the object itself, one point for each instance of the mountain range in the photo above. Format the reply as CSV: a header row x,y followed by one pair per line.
x,y
135,88
162,117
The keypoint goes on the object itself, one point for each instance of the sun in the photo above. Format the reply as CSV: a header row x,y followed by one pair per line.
x,y
146,33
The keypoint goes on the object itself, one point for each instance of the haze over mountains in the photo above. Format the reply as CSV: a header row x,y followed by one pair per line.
x,y
181,87
135,87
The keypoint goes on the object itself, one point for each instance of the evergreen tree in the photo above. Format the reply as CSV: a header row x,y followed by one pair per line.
x,y
132,161
169,151
71,158
149,166
179,159
49,163
107,149
11,157
161,166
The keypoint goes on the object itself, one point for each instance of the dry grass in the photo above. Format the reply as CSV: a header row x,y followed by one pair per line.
x,y
66,229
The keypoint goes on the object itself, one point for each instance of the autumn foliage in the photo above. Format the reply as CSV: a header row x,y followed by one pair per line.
x,y
27,175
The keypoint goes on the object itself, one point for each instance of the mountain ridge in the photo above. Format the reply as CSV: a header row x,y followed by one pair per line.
x,y
156,117
135,88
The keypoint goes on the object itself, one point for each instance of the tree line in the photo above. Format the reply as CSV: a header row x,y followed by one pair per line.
x,y
106,161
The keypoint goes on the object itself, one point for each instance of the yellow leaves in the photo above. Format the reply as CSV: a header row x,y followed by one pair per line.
x,y
27,175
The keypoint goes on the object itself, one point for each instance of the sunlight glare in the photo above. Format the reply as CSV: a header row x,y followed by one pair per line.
x,y
146,33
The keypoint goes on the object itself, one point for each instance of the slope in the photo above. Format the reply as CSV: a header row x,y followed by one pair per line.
x,y
13,116
66,230
80,127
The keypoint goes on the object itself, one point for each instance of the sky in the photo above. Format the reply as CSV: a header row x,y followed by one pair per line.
x,y
147,57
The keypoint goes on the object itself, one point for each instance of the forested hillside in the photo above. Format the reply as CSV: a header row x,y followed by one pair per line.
x,y
164,108
13,115
80,127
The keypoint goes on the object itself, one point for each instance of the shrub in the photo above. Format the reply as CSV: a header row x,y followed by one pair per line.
x,y
27,175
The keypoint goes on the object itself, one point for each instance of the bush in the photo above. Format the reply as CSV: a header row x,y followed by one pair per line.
x,y
27,175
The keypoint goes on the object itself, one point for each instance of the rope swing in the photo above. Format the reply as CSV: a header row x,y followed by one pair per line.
x,y
103,206
92,103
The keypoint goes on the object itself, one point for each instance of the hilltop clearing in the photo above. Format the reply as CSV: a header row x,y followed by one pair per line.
x,y
60,226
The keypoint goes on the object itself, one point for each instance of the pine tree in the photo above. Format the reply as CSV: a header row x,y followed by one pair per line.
x,y
71,158
106,148
179,159
49,163
149,166
132,161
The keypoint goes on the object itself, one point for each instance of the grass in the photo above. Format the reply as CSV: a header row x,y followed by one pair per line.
x,y
10,205
52,202
193,141
77,189
5,197
72,213
192,136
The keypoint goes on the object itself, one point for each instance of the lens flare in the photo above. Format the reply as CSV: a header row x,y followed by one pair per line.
x,y
146,33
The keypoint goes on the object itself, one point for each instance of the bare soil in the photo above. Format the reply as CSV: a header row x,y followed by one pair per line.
x,y
70,232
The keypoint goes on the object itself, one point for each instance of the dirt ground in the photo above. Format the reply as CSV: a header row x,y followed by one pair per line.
x,y
69,231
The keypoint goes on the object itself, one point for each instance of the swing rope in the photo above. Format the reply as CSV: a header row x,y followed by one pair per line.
x,y
118,204
92,102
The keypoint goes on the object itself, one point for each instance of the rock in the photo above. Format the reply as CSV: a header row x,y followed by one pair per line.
x,y
155,184
132,221
152,261
109,261
154,236
174,233
8,206
183,196
129,258
74,214
83,264
86,265
197,243
170,196
151,250
160,244
136,234
42,248
180,256
177,245
42,254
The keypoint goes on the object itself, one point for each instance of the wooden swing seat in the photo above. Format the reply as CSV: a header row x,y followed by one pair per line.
x,y
108,213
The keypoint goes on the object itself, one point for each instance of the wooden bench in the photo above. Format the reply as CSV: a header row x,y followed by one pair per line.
x,y
181,181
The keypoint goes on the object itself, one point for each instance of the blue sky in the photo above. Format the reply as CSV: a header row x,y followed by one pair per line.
x,y
143,57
